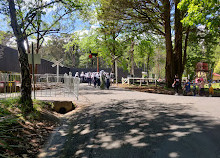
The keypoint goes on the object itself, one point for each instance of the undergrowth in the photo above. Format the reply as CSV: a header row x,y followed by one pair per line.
x,y
11,125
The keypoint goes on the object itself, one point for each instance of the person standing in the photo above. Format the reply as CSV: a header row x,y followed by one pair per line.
x,y
89,78
201,87
82,77
187,87
94,79
77,74
102,79
107,80
194,88
112,76
176,84
98,79
211,90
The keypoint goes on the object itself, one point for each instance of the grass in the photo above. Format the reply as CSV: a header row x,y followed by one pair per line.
x,y
214,85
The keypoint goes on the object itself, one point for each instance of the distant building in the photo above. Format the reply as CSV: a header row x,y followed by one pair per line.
x,y
9,63
216,77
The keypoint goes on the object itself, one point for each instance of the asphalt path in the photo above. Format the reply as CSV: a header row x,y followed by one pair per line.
x,y
119,123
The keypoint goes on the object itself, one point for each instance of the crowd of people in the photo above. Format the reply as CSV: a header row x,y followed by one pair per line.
x,y
100,79
199,82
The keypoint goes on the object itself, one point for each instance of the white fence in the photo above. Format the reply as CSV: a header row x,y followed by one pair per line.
x,y
46,85
131,80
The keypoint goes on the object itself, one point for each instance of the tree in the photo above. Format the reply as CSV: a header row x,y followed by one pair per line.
x,y
21,23
202,48
26,80
5,37
157,17
205,12
144,54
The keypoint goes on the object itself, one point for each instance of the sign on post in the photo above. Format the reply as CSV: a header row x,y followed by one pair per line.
x,y
37,59
58,63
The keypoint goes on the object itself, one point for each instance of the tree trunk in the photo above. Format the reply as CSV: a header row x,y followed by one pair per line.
x,y
132,58
185,48
113,54
148,64
178,64
113,66
169,50
23,58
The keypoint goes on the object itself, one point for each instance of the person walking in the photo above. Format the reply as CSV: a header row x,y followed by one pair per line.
x,y
176,84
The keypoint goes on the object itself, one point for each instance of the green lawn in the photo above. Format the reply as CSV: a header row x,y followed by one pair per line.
x,y
214,85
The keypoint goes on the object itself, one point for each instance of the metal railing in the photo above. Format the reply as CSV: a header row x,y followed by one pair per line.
x,y
10,85
46,85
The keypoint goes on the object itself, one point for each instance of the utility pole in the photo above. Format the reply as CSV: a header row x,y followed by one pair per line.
x,y
33,69
97,63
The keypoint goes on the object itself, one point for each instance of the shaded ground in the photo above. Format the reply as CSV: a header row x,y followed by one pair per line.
x,y
24,137
127,124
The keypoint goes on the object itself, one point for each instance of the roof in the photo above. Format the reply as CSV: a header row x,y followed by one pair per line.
x,y
9,59
215,74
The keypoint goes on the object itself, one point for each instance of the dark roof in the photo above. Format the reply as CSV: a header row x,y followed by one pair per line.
x,y
9,59
9,62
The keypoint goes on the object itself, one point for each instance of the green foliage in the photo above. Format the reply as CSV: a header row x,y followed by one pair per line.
x,y
204,12
5,37
217,57
217,67
6,122
202,48
143,50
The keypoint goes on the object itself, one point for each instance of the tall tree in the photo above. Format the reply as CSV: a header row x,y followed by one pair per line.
x,y
26,80
157,16
21,23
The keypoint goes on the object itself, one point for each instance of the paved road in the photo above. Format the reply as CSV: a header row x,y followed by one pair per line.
x,y
119,123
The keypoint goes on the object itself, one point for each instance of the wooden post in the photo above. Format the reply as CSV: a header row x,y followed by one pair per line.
x,y
97,64
116,71
33,78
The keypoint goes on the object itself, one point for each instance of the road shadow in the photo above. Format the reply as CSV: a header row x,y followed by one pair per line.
x,y
140,129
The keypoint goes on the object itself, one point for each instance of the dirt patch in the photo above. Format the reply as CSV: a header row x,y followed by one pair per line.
x,y
27,136
149,89
163,90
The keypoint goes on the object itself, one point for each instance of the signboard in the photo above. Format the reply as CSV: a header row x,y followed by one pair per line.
x,y
37,59
200,66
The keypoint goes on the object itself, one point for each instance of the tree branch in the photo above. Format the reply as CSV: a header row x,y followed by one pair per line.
x,y
43,31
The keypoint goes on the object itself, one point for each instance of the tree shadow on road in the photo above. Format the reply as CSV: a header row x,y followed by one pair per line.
x,y
141,128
